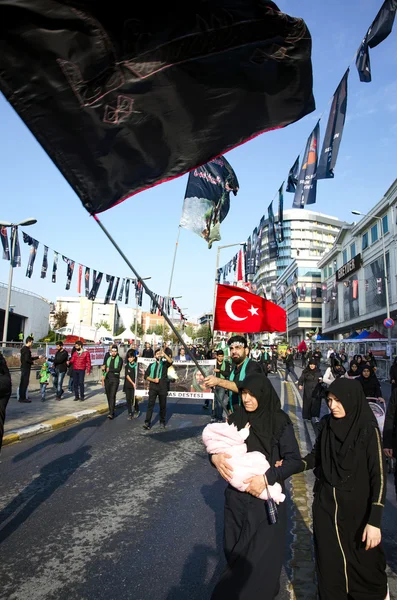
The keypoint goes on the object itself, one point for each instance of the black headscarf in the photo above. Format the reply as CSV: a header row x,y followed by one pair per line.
x,y
352,373
337,372
307,369
267,421
340,436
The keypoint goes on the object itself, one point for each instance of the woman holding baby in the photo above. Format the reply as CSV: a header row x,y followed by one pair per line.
x,y
254,544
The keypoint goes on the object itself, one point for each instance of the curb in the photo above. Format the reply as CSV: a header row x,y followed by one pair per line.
x,y
17,435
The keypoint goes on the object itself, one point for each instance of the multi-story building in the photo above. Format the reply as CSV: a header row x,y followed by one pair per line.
x,y
353,275
84,312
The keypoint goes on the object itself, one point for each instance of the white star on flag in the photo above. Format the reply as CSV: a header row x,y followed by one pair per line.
x,y
253,310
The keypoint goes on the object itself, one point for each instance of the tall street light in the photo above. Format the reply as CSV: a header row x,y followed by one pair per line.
x,y
357,212
216,274
14,235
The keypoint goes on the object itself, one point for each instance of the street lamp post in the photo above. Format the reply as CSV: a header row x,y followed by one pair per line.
x,y
216,275
14,235
356,212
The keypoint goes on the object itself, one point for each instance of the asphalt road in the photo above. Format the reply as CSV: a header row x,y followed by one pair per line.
x,y
105,510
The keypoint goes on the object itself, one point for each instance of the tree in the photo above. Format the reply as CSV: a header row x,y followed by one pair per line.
x,y
189,330
120,330
158,330
60,319
203,332
149,330
139,329
104,324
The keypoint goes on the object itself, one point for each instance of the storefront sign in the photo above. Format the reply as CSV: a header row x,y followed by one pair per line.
x,y
350,267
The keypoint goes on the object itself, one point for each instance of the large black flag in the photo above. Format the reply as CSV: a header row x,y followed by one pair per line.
x,y
125,98
333,134
273,247
379,30
292,181
207,198
280,229
307,183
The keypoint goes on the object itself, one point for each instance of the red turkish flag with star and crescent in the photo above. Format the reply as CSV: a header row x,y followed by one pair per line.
x,y
242,312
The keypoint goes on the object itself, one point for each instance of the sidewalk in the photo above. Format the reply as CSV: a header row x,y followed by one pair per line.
x,y
26,420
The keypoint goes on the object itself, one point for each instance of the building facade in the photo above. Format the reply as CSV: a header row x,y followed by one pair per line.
x,y
29,314
84,312
355,285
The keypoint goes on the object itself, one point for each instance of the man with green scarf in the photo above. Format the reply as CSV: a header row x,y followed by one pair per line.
x,y
156,374
111,377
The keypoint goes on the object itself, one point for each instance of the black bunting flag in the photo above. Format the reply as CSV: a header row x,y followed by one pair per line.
x,y
16,259
32,253
110,281
87,282
95,285
120,298
54,268
44,265
293,177
307,183
116,287
363,63
4,241
333,134
127,291
126,98
69,272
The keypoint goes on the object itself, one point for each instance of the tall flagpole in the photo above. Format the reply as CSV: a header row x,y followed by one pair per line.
x,y
172,270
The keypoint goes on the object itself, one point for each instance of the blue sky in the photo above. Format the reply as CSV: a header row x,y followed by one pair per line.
x,y
146,225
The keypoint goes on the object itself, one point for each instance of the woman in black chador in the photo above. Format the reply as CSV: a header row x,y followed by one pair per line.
x,y
308,381
349,496
254,548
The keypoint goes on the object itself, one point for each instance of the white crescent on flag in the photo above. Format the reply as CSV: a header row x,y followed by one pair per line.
x,y
229,308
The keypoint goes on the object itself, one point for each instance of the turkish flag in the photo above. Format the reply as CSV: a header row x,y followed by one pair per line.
x,y
242,312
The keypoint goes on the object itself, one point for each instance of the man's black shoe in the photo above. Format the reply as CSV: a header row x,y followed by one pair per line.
x,y
147,426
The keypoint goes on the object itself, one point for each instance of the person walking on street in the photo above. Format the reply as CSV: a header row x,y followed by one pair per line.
x,y
370,384
27,361
147,351
349,499
242,366
308,381
129,386
61,366
44,380
274,360
81,363
317,357
156,374
70,372
289,366
335,371
222,370
254,543
111,377
5,393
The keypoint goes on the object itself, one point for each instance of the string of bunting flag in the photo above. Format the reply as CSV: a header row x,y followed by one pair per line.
x,y
302,181
115,291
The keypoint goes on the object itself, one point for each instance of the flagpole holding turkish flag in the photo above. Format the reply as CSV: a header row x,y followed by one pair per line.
x,y
243,312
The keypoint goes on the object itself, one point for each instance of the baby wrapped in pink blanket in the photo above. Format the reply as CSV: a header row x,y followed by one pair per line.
x,y
224,438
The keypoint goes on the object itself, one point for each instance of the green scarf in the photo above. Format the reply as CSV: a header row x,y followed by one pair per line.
x,y
116,363
221,368
241,378
153,367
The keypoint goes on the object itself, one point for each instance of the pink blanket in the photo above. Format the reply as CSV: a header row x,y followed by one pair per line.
x,y
224,438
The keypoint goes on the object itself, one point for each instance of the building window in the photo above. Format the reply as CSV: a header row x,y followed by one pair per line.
x,y
374,233
385,225
329,271
365,240
353,250
344,257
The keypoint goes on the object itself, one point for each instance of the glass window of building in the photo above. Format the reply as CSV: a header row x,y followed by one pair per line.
x,y
353,250
385,224
330,271
344,257
374,233
365,240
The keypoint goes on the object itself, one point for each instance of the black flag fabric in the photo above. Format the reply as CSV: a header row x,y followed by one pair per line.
x,y
4,241
127,291
207,198
95,285
333,134
121,294
44,264
377,33
303,292
273,247
69,272
87,282
32,253
307,184
254,250
110,281
16,259
116,287
126,98
280,229
259,243
292,181
54,268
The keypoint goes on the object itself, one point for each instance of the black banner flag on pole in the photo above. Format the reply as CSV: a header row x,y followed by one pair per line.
x,y
280,227
167,82
333,134
32,253
292,181
207,198
363,63
273,247
4,241
16,259
44,265
307,183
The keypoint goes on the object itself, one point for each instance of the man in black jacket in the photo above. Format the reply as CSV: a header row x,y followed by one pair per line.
x,y
111,377
289,365
148,351
156,374
60,363
5,393
27,361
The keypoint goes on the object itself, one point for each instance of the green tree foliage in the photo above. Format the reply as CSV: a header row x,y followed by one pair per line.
x,y
60,319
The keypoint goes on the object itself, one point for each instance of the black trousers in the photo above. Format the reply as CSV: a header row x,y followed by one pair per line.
x,y
161,392
132,404
78,383
111,387
23,384
3,405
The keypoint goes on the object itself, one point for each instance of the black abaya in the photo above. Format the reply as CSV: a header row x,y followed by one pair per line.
x,y
309,380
